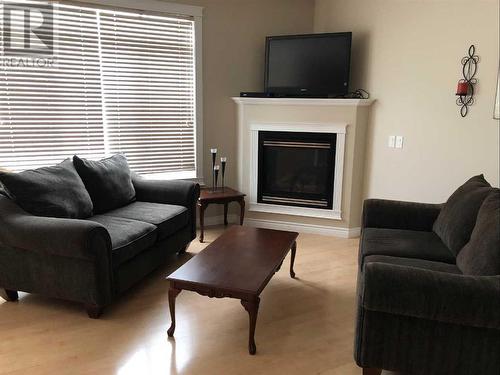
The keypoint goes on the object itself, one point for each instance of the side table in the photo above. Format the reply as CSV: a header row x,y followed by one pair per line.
x,y
219,196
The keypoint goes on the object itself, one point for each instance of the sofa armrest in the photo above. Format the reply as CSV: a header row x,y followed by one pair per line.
x,y
71,238
179,192
381,213
445,297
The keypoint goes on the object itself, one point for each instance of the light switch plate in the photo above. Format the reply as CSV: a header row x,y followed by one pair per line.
x,y
392,141
399,141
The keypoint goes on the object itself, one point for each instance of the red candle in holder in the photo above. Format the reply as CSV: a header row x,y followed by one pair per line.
x,y
462,88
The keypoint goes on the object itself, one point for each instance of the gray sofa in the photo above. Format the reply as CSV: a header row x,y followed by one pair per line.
x,y
429,285
93,260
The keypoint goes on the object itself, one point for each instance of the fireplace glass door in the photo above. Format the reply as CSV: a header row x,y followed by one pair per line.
x,y
296,169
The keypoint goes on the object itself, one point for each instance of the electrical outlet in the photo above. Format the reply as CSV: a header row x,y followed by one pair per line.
x,y
392,141
399,141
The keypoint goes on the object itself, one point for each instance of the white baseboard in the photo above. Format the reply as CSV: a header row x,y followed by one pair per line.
x,y
286,225
304,228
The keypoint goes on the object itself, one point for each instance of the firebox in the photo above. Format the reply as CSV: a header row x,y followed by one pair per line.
x,y
296,169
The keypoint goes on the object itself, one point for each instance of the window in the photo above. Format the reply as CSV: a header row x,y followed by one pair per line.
x,y
122,81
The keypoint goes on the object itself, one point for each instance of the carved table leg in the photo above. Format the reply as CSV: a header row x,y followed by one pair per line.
x,y
292,260
202,220
242,210
252,307
9,295
226,205
172,294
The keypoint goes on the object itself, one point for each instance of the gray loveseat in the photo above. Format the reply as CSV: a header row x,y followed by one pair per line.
x,y
429,285
92,260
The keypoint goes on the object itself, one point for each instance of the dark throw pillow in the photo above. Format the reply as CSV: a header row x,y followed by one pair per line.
x,y
108,181
457,218
481,255
56,191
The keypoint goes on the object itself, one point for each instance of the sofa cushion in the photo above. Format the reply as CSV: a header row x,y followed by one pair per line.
x,y
404,244
55,191
168,218
128,237
416,263
481,255
457,218
108,181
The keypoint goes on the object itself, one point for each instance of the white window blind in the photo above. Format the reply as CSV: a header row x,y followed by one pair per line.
x,y
123,82
47,114
148,83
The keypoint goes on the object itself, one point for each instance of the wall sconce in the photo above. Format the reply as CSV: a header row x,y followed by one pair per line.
x,y
465,87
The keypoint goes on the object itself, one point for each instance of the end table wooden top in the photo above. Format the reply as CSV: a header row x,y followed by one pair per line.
x,y
207,195
242,259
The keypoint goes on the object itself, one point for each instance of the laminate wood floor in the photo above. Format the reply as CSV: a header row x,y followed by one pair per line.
x,y
305,326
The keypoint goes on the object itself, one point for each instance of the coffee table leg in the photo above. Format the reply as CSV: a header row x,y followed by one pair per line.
x,y
252,307
202,220
172,294
292,260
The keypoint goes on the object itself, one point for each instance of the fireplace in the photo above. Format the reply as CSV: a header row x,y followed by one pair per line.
x,y
345,119
296,168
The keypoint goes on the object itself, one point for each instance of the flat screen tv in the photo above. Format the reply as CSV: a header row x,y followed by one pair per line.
x,y
314,65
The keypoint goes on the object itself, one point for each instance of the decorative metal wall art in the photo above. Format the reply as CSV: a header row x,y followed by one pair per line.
x,y
465,87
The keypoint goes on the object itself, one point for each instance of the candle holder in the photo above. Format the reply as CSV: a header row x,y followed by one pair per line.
x,y
216,176
223,162
213,151
465,87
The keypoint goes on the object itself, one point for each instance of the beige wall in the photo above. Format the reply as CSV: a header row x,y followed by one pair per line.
x,y
234,34
407,54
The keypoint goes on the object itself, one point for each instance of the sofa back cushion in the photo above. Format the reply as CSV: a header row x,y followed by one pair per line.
x,y
458,216
56,191
108,181
481,255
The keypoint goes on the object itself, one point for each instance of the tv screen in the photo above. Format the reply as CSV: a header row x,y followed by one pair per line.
x,y
308,65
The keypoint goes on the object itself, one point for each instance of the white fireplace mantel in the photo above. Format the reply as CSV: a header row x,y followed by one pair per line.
x,y
348,118
304,101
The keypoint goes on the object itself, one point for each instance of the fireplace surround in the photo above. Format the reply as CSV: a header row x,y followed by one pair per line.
x,y
296,169
346,119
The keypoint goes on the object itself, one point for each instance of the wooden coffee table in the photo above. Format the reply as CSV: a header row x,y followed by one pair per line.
x,y
238,264
223,196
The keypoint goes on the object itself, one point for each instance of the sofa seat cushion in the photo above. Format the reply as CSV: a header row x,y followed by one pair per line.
x,y
404,244
415,263
169,218
128,237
